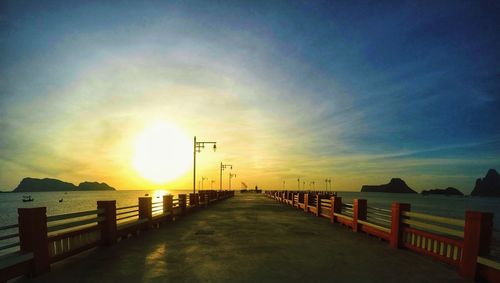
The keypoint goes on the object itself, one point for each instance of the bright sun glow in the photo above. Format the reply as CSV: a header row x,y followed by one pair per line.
x,y
162,153
158,194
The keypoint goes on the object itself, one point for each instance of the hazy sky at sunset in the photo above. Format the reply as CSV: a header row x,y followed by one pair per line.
x,y
358,93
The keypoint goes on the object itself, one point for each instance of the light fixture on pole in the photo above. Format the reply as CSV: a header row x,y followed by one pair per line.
x,y
283,185
212,184
222,168
197,147
298,184
312,183
328,182
202,180
231,175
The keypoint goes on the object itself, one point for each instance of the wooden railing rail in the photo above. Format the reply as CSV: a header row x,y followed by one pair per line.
x,y
74,224
9,227
127,207
434,218
72,215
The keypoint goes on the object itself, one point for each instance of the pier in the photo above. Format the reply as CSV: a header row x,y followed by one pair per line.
x,y
249,238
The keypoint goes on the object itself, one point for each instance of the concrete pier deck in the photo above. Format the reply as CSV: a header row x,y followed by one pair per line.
x,y
249,238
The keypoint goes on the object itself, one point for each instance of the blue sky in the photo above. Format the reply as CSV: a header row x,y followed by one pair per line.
x,y
357,92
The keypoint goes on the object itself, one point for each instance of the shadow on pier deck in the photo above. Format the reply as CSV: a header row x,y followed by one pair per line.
x,y
249,238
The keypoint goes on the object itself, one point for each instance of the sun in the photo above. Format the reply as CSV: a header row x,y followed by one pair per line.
x,y
162,153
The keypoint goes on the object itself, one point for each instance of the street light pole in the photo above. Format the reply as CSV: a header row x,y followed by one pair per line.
x,y
222,167
212,184
283,185
197,146
298,184
328,182
231,175
202,180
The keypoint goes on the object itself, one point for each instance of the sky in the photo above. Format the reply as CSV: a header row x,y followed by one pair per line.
x,y
357,92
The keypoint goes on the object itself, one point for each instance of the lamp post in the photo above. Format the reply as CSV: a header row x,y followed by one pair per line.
x,y
231,175
202,180
304,185
222,168
212,184
312,183
283,185
197,146
298,184
328,181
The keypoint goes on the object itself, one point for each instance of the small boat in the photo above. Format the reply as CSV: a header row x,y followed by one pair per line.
x,y
61,200
146,195
27,198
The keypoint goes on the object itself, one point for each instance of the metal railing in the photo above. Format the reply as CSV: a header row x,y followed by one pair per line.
x,y
9,238
436,223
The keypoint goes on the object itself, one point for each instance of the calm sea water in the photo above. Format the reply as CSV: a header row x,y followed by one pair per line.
x,y
80,201
72,201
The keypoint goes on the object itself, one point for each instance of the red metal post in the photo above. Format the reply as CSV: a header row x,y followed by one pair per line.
x,y
108,225
336,203
306,201
168,205
145,209
205,195
182,203
477,239
359,213
300,200
318,204
192,199
397,224
33,237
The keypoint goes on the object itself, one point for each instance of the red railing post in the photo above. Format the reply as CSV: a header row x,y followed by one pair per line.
x,y
397,224
336,207
477,239
168,204
108,225
192,199
359,212
306,201
33,237
145,210
318,204
182,203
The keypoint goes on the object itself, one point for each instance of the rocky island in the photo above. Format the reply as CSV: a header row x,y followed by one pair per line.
x,y
54,185
489,186
396,185
450,191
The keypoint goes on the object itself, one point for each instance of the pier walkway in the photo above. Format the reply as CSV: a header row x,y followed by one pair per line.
x,y
249,238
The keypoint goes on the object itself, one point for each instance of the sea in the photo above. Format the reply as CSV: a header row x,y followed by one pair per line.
x,y
447,206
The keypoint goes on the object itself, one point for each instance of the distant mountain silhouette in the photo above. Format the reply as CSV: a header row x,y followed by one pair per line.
x,y
396,185
489,186
94,186
53,185
448,192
